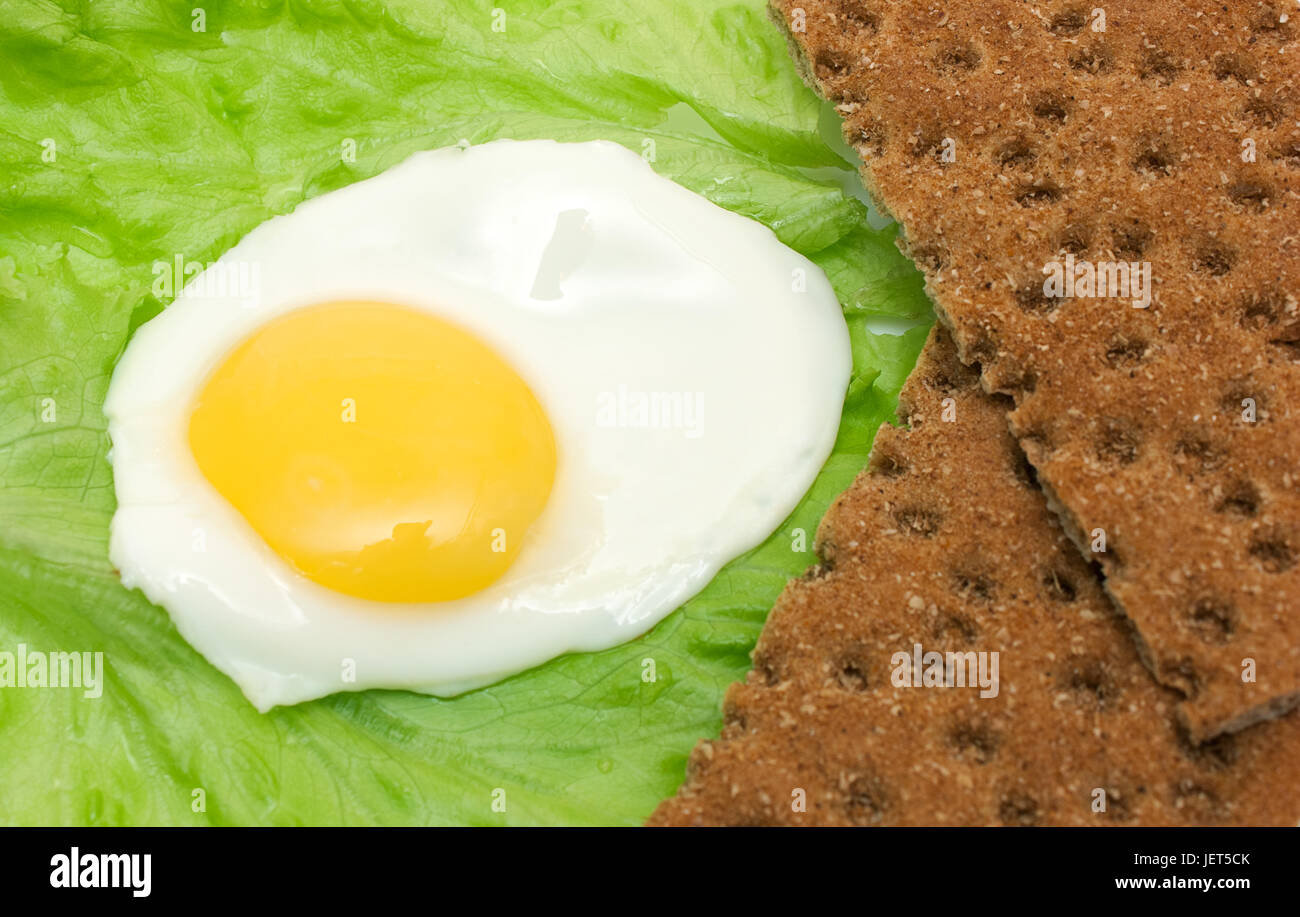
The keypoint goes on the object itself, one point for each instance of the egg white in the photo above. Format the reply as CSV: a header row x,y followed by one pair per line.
x,y
646,285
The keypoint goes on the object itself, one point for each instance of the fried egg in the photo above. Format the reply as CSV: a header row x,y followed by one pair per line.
x,y
496,404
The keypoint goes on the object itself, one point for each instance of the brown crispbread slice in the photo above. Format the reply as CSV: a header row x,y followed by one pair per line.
x,y
946,542
1006,135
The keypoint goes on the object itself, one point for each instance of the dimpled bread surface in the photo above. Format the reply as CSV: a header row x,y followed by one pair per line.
x,y
1007,135
946,542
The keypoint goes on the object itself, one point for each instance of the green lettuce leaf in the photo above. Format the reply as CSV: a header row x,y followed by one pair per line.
x,y
128,134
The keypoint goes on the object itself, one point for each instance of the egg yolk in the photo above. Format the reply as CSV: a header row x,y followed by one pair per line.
x,y
381,451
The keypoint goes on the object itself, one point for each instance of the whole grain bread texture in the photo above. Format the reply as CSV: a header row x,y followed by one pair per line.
x,y
946,545
1016,139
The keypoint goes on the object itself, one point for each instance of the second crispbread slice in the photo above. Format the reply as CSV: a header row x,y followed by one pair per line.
x,y
945,544
1008,136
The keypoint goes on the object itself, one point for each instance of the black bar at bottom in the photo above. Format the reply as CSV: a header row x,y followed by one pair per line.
x,y
918,865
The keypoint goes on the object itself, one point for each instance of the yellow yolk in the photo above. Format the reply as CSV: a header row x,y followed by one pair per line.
x,y
381,451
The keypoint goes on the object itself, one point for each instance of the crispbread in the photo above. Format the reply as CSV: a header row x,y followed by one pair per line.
x,y
946,542
1006,135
